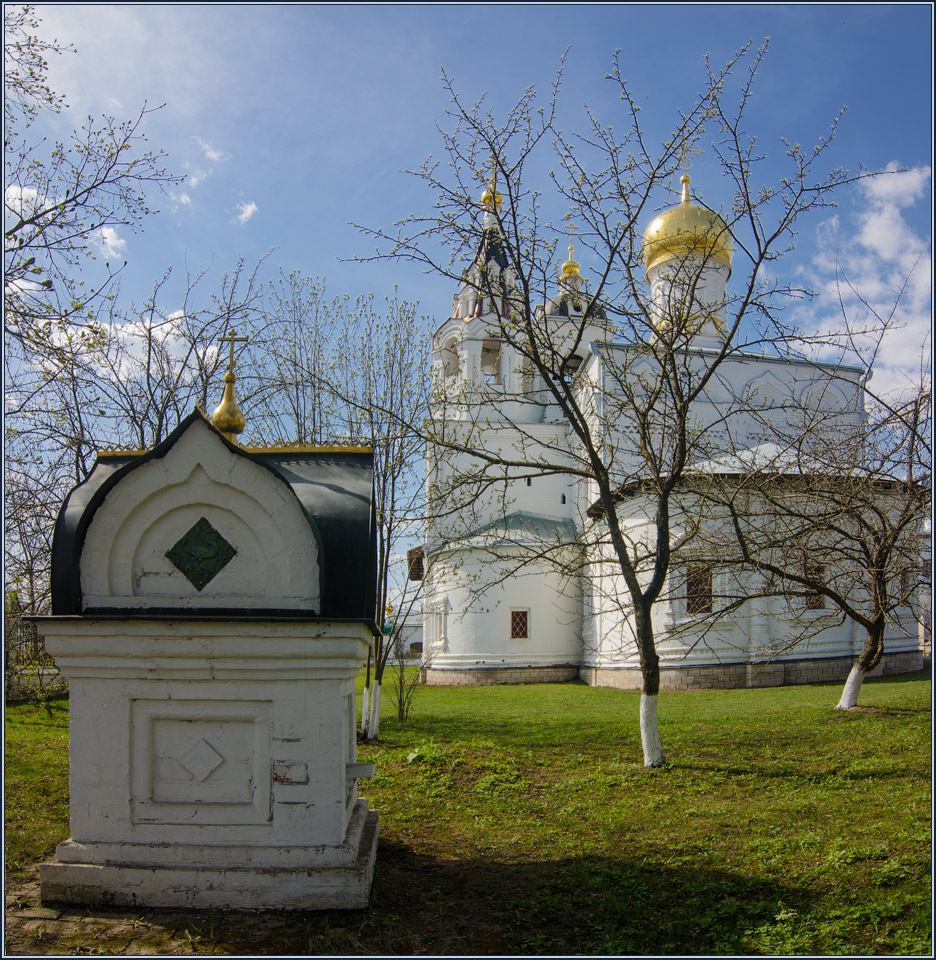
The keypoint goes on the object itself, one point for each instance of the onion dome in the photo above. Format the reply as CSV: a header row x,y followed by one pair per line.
x,y
228,417
570,268
491,198
687,229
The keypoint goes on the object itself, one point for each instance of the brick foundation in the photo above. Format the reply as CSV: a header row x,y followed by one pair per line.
x,y
726,676
740,675
488,676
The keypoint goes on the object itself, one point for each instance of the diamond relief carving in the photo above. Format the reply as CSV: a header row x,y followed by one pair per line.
x,y
201,554
202,760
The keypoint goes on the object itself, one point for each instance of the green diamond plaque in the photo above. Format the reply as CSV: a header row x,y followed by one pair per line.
x,y
201,554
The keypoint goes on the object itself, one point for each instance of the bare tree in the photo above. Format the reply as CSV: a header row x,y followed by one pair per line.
x,y
122,379
630,410
62,200
343,370
830,516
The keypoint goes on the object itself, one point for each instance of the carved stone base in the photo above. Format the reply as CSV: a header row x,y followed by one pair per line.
x,y
221,878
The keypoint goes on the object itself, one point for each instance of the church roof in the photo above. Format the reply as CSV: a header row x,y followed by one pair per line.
x,y
491,249
572,303
517,527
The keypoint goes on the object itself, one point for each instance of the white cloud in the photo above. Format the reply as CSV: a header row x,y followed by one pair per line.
x,y
245,211
211,154
195,175
109,243
896,186
22,200
875,281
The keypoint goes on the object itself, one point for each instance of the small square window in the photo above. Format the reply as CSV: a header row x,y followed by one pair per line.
x,y
519,624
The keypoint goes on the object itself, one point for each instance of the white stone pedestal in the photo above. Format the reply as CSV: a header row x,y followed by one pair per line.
x,y
213,764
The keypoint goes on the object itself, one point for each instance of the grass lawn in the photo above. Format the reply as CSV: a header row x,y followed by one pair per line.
x,y
519,819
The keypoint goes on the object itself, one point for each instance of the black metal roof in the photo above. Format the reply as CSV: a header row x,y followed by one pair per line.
x,y
334,488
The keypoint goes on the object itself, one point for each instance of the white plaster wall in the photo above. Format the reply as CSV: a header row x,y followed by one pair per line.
x,y
476,625
123,561
472,499
275,702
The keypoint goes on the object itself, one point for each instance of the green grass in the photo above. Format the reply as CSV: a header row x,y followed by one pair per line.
x,y
36,780
521,820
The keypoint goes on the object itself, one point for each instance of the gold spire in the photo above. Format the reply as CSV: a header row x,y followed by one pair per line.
x,y
570,268
687,230
228,416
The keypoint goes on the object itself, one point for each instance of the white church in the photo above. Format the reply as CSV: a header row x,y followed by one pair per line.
x,y
519,582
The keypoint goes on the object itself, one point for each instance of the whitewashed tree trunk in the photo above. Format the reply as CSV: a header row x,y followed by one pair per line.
x,y
373,723
649,732
364,694
849,698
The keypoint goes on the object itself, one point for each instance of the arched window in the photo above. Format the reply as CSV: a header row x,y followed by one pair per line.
x,y
491,360
570,367
450,358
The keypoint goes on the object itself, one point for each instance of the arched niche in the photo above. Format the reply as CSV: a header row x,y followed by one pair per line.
x,y
200,527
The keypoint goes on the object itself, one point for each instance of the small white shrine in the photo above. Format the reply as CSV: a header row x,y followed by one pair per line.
x,y
212,606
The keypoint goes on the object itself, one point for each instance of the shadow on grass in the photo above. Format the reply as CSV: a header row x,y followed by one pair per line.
x,y
427,905
589,904
798,773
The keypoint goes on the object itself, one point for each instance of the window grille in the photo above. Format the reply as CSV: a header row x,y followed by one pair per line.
x,y
699,589
519,624
814,599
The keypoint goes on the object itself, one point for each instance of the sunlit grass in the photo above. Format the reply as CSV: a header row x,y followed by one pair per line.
x,y
519,819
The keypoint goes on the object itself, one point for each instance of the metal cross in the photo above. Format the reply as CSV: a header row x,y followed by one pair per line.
x,y
231,338
686,153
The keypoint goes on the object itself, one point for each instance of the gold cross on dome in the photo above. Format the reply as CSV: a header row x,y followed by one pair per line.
x,y
232,338
686,152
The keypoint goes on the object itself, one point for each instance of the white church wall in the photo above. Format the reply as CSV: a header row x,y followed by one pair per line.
x,y
473,595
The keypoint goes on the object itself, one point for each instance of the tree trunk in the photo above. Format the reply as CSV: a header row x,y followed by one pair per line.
x,y
373,723
364,694
868,659
650,671
649,731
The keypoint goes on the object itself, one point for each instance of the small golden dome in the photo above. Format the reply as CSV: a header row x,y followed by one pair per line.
x,y
228,416
570,268
687,229
491,196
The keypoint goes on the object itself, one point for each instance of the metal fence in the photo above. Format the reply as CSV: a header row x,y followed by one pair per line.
x,y
29,672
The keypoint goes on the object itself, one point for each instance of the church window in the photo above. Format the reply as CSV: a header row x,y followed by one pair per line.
x,y
450,358
698,589
526,376
814,599
529,481
415,560
906,585
570,366
563,498
491,360
519,624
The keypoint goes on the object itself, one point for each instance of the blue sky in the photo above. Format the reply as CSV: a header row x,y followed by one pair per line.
x,y
293,121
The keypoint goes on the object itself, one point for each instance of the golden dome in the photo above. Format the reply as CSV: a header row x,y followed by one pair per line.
x,y
491,196
570,268
228,416
687,229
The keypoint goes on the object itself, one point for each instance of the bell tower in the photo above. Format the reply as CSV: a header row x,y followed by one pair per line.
x,y
687,252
